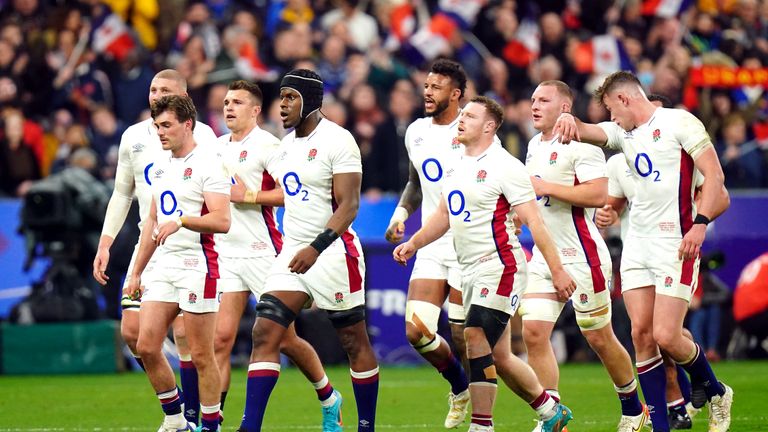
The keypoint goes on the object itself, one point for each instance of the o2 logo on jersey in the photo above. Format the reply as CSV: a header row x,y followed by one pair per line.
x,y
168,204
187,173
644,166
432,170
297,189
481,175
456,210
243,155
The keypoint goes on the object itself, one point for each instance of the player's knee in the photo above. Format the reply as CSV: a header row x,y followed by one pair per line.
x,y
642,337
594,320
482,370
421,320
535,336
346,318
457,336
664,337
130,336
223,341
146,349
273,309
491,322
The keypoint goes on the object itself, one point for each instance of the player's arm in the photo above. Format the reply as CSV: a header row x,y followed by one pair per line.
x,y
435,227
714,201
117,210
147,248
611,211
570,128
530,216
590,194
410,200
239,193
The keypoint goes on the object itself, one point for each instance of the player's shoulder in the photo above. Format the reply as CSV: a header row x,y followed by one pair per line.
x,y
137,130
227,137
419,124
265,137
499,156
202,128
617,160
535,141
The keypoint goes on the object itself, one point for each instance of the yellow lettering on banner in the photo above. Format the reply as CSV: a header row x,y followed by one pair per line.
x,y
728,77
760,76
710,75
744,77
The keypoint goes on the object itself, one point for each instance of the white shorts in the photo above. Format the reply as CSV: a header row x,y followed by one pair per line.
x,y
492,284
193,291
654,262
593,284
244,274
334,282
128,303
430,266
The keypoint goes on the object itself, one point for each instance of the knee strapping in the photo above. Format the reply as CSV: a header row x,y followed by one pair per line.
x,y
540,309
272,308
482,370
594,320
492,321
424,316
345,318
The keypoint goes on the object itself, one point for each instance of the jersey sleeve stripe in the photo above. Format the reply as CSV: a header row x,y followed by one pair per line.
x,y
268,212
211,256
588,245
685,206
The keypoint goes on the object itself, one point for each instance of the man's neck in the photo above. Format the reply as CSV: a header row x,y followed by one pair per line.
x,y
643,112
477,148
240,135
185,149
447,116
308,125
548,134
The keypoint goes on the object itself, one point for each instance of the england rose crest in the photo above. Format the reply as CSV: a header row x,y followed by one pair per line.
x,y
312,154
656,135
583,298
484,292
668,281
553,158
192,298
339,297
481,175
455,143
243,155
187,173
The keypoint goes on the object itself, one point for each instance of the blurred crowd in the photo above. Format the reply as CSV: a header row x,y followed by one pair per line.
x,y
74,74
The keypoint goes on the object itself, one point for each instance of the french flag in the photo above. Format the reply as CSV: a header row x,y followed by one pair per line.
x,y
431,41
464,11
665,8
601,55
111,36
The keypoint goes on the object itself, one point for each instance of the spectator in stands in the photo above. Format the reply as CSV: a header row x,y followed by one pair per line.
x,y
74,139
362,28
742,159
750,300
386,169
131,82
18,164
332,65
105,133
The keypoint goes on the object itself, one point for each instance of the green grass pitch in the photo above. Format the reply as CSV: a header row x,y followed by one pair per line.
x,y
410,399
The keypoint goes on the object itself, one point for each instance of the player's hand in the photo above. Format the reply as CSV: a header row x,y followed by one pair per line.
x,y
518,224
566,128
606,216
403,252
100,266
691,244
237,191
133,289
539,186
163,231
395,232
303,260
563,283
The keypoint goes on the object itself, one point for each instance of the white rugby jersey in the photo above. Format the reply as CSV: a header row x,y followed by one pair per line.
x,y
177,187
304,167
139,150
433,149
480,192
660,153
254,229
572,228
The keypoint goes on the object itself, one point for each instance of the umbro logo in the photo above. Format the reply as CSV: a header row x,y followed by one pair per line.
x,y
418,141
628,135
158,173
138,147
